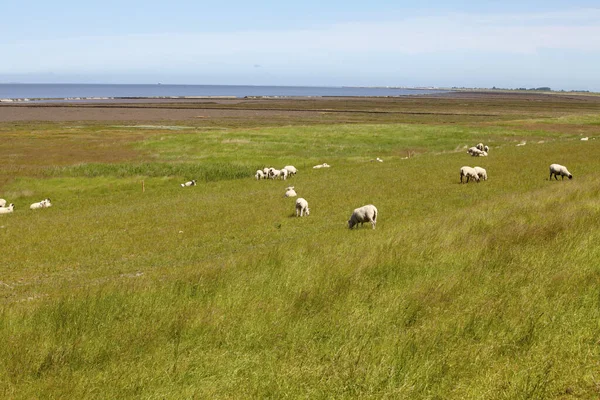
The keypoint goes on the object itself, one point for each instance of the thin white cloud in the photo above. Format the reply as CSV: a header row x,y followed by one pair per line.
x,y
574,30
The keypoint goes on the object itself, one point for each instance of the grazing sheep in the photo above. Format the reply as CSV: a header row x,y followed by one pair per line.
x,y
189,183
274,173
41,204
479,146
266,171
468,172
6,210
284,174
291,170
259,175
363,214
482,173
557,169
290,192
301,207
2,203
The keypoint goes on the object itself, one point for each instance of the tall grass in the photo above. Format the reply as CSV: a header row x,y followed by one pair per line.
x,y
473,291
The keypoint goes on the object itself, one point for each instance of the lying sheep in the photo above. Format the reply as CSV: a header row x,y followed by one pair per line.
x,y
290,192
189,183
41,204
363,214
302,207
468,172
2,203
475,152
482,173
557,169
324,165
259,175
7,210
291,170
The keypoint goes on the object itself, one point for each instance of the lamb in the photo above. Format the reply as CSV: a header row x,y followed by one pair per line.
x,y
189,183
41,204
2,203
7,210
266,171
290,192
557,169
482,173
468,172
259,175
302,207
284,174
479,146
290,169
363,214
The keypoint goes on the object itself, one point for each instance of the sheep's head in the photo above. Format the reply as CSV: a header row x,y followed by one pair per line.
x,y
570,176
351,224
307,211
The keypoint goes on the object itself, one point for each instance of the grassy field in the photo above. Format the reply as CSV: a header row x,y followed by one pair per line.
x,y
476,291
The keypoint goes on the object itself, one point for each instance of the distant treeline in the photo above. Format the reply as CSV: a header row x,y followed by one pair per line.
x,y
538,89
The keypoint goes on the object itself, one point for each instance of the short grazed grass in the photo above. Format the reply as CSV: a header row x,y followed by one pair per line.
x,y
478,291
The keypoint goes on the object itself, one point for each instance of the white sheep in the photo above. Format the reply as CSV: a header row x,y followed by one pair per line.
x,y
7,210
2,203
259,175
189,183
290,169
41,204
479,146
482,173
475,152
284,174
324,165
290,192
557,169
301,207
523,143
363,214
585,139
266,171
468,172
274,173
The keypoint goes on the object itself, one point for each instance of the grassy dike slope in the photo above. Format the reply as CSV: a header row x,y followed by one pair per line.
x,y
480,291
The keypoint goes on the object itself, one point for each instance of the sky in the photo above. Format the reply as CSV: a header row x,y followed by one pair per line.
x,y
506,44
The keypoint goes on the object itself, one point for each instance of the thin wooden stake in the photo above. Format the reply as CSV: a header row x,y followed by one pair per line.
x,y
143,187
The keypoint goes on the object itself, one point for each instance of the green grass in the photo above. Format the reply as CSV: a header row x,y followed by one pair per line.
x,y
478,291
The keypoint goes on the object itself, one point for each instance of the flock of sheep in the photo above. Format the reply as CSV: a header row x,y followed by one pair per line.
x,y
360,215
10,208
478,173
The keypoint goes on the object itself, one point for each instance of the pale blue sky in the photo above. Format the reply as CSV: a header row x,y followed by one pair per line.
x,y
381,43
